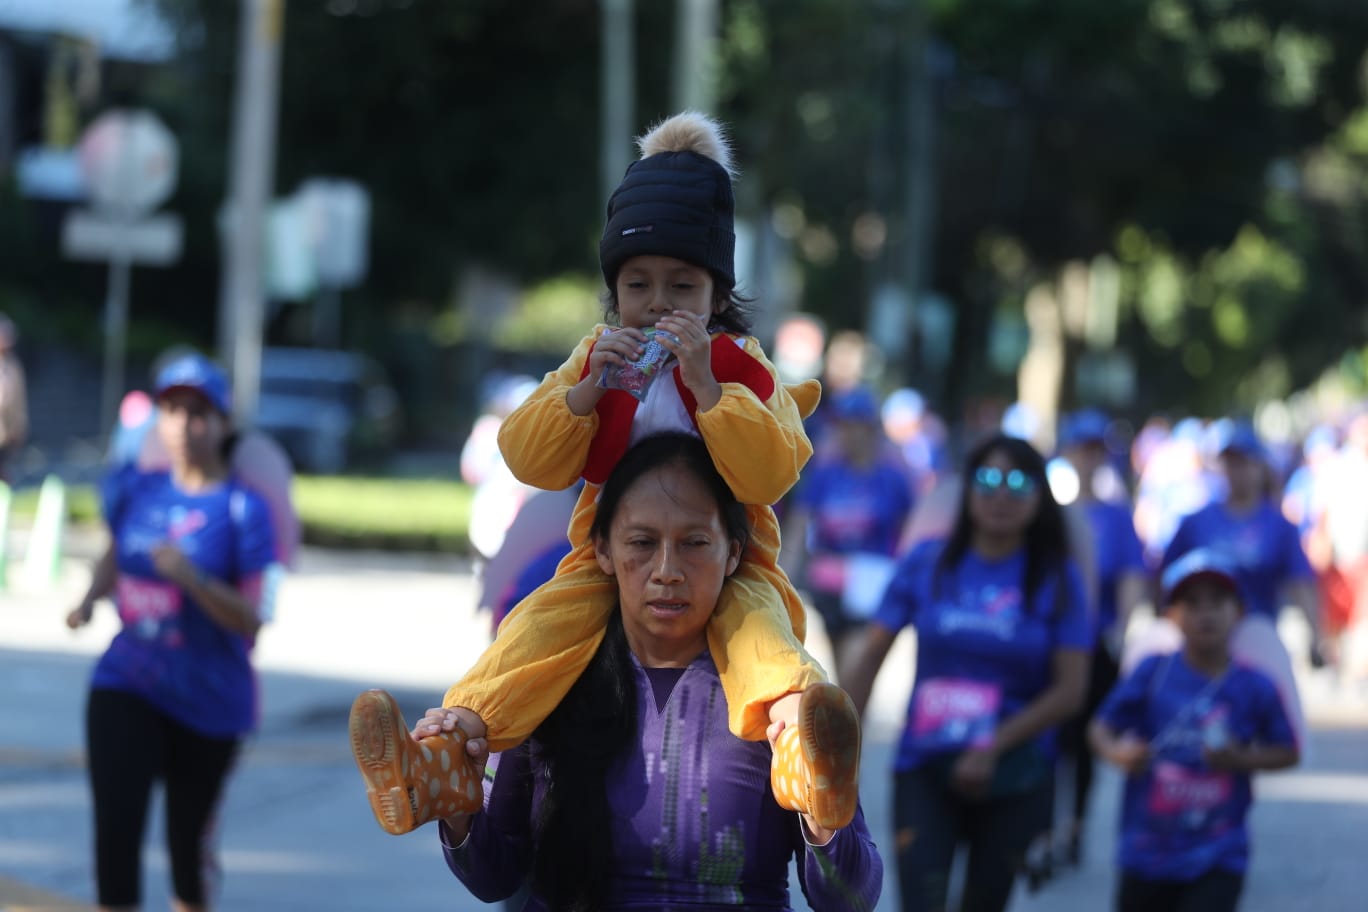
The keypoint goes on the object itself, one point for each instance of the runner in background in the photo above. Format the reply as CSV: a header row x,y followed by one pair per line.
x,y
1173,481
1122,585
919,435
1189,729
845,366
13,399
254,458
192,569
1340,551
842,533
1248,527
498,495
1003,641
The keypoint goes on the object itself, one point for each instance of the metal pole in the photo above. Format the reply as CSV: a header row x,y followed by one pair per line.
x,y
328,317
117,303
115,333
694,59
251,178
920,182
616,92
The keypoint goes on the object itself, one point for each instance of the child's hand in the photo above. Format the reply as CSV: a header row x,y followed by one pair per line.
x,y
973,772
694,351
172,564
1130,754
1229,758
448,719
616,347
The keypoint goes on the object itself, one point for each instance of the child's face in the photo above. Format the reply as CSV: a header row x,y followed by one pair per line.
x,y
1206,612
1244,474
649,287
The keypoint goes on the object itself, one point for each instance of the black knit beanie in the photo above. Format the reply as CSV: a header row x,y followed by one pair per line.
x,y
676,200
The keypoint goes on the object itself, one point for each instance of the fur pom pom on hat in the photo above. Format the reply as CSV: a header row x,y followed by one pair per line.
x,y
676,200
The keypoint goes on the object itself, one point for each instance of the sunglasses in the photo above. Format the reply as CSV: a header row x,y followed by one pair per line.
x,y
990,478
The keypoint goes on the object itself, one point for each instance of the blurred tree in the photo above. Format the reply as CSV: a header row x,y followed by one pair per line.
x,y
467,122
1217,146
1068,123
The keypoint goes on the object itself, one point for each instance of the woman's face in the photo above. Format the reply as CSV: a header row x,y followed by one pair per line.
x,y
670,553
1003,498
191,429
649,287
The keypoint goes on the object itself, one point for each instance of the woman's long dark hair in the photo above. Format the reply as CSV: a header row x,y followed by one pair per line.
x,y
733,312
1045,538
596,722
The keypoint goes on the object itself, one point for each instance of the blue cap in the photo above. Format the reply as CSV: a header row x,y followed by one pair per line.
x,y
1240,437
856,404
1084,426
1321,437
1204,563
198,373
905,403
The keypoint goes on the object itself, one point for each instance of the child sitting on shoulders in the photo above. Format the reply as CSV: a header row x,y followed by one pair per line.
x,y
681,358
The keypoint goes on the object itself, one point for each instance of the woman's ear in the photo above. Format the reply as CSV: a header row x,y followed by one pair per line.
x,y
734,549
605,557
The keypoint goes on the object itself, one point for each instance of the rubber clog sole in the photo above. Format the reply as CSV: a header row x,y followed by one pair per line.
x,y
375,726
829,733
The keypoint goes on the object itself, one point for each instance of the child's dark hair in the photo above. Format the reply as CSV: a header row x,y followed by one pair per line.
x,y
1046,538
733,312
596,722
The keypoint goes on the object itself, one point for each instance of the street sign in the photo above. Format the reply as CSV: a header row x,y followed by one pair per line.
x,y
337,217
152,241
130,160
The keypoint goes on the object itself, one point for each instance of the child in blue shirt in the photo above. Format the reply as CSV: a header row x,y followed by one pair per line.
x,y
1188,729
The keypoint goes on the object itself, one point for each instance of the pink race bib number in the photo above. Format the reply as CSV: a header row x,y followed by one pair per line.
x,y
827,573
1178,791
954,711
146,600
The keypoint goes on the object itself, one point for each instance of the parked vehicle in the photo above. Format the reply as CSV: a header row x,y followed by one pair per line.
x,y
327,408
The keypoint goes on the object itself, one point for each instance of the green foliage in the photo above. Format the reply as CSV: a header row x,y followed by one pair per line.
x,y
1224,314
339,512
384,513
82,504
1165,132
551,317
1218,148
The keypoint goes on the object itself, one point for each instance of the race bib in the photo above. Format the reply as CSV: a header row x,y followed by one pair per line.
x,y
955,713
826,573
1186,797
144,604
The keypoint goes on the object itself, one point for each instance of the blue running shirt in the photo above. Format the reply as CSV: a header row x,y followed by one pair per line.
x,y
1180,819
1264,546
170,652
982,652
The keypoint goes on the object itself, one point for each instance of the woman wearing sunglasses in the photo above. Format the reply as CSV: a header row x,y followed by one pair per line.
x,y
1003,641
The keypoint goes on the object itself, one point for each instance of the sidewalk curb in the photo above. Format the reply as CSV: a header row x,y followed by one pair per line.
x,y
19,897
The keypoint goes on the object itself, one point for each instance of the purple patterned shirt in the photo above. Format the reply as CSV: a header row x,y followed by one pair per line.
x,y
694,823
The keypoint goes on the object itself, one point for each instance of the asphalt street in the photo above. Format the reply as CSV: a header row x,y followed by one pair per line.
x,y
297,833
